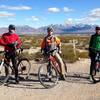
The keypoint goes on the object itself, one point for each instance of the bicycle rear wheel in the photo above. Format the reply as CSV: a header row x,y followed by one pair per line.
x,y
5,76
96,73
47,78
24,67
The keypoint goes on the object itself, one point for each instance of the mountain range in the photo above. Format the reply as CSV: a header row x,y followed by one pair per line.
x,y
58,28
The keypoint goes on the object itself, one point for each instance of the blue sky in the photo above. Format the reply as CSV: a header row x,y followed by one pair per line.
x,y
37,13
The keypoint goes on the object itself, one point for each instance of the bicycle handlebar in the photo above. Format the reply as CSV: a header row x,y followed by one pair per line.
x,y
51,51
13,45
2,52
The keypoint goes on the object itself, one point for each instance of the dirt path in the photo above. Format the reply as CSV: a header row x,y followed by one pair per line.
x,y
76,87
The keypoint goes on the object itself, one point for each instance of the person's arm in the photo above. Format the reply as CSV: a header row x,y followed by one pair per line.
x,y
2,41
58,42
19,41
90,43
43,44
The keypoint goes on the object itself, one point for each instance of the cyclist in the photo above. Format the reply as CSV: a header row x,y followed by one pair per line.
x,y
7,40
94,46
51,42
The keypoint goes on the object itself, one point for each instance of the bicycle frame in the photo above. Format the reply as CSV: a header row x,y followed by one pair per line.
x,y
1,65
53,61
97,59
2,58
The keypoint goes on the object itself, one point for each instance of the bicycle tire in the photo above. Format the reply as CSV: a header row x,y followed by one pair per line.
x,y
4,78
24,67
95,73
47,82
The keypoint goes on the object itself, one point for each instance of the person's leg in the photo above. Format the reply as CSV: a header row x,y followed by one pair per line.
x,y
92,65
7,61
14,62
61,64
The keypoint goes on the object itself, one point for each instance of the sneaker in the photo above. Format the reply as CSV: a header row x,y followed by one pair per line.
x,y
17,80
7,83
21,78
62,77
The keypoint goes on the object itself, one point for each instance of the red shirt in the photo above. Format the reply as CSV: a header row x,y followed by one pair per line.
x,y
8,38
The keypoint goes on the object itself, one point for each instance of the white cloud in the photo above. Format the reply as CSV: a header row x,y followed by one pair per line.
x,y
33,18
87,20
92,17
69,21
15,7
95,13
54,10
11,19
66,9
6,14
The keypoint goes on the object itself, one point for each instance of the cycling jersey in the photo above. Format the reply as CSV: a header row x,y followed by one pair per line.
x,y
8,38
50,43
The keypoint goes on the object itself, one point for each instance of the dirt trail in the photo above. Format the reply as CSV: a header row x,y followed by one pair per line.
x,y
76,87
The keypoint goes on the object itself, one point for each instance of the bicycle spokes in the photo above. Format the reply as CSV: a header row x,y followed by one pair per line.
x,y
48,76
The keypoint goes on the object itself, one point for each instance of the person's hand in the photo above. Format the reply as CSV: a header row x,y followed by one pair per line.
x,y
42,52
60,51
21,49
10,45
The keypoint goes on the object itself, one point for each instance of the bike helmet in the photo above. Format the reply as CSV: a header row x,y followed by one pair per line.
x,y
50,29
97,28
11,27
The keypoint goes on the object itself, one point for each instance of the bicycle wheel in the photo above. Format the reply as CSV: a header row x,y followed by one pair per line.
x,y
24,67
96,73
47,78
5,75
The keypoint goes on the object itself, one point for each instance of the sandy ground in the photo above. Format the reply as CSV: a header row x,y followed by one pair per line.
x,y
76,87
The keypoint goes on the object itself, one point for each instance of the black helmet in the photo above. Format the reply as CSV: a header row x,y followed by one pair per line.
x,y
97,28
50,29
11,27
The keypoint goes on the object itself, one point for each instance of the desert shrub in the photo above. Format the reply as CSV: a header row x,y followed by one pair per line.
x,y
26,46
68,53
82,54
69,56
38,55
27,55
31,56
67,50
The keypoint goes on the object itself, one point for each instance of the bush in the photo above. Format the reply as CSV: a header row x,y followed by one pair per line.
x,y
82,55
68,53
67,50
27,55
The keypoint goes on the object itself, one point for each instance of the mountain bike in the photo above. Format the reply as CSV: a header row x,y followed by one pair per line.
x,y
23,64
96,69
49,72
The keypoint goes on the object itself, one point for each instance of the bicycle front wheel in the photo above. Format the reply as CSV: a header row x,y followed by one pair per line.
x,y
96,73
24,67
5,73
48,78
